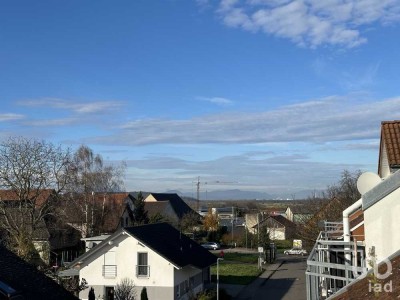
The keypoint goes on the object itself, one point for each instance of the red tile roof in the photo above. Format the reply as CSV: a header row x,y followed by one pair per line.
x,y
10,195
390,136
363,289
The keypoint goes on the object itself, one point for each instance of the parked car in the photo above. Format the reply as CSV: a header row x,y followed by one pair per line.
x,y
211,245
295,251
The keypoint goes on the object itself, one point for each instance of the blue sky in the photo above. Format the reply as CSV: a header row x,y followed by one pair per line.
x,y
278,96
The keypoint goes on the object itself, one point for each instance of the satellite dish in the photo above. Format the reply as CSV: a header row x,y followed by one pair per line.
x,y
367,181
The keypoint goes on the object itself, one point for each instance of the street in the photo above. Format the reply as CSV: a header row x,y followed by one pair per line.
x,y
285,279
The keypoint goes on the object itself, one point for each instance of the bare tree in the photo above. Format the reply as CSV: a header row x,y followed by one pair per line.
x,y
125,290
30,170
330,206
346,189
190,221
73,285
90,177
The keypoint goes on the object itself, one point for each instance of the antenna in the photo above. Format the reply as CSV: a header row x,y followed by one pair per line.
x,y
367,181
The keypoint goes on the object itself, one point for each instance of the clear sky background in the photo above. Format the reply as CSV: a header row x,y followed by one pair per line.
x,y
278,96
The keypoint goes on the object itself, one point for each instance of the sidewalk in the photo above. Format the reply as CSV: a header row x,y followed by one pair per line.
x,y
241,291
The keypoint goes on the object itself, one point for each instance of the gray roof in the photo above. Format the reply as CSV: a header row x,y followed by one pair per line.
x,y
167,241
26,280
179,206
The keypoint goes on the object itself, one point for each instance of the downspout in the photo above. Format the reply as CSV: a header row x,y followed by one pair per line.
x,y
346,223
346,232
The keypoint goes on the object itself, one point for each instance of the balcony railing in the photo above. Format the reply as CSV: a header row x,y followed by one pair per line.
x,y
333,263
109,271
142,271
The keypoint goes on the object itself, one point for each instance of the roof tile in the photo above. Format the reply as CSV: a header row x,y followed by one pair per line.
x,y
391,137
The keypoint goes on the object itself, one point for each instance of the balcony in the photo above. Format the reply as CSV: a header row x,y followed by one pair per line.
x,y
142,271
109,271
333,263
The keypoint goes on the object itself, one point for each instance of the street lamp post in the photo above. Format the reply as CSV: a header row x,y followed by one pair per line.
x,y
218,259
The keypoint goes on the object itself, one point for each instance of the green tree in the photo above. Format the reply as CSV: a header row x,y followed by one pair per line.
x,y
91,295
139,213
143,294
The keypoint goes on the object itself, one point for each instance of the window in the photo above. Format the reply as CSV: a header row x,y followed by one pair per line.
x,y
109,267
142,268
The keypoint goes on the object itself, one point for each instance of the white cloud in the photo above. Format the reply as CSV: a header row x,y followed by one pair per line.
x,y
310,23
79,108
52,122
330,119
216,100
10,117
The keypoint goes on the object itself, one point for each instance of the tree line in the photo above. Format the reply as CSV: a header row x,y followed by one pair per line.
x,y
31,170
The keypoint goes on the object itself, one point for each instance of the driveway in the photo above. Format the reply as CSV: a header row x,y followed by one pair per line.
x,y
285,279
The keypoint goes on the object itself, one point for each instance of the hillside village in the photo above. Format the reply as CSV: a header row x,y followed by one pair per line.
x,y
84,243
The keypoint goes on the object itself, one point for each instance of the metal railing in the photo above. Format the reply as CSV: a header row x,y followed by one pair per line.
x,y
142,271
333,263
110,271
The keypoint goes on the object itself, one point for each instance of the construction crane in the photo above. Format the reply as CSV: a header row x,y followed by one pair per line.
x,y
198,183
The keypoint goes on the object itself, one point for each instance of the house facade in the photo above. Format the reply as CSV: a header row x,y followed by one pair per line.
x,y
349,256
280,228
169,206
381,208
298,214
155,256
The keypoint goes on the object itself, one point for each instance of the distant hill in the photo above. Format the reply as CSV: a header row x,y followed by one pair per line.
x,y
236,194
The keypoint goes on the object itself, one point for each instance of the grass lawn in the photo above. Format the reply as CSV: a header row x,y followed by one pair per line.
x,y
236,268
242,257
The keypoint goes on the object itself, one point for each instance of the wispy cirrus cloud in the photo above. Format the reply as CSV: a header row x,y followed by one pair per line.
x,y
309,23
77,107
10,117
216,100
52,122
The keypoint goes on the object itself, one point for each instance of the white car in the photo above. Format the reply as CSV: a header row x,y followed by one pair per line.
x,y
211,246
294,251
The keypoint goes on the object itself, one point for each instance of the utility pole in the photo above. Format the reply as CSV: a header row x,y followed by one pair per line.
x,y
92,225
198,193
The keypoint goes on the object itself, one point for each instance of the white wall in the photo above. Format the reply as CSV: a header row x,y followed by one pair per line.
x,y
384,168
382,229
163,275
126,249
276,233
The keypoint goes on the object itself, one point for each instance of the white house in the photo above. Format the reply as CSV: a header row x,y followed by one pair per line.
x,y
381,208
156,256
340,265
93,241
168,205
278,227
